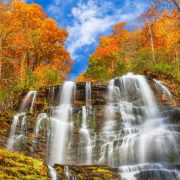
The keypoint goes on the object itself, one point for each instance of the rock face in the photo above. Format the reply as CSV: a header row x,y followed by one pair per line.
x,y
85,172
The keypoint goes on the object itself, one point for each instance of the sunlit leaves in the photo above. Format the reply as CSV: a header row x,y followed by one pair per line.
x,y
141,50
31,43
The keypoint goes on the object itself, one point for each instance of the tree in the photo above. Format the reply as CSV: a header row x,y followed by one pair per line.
x,y
30,40
167,4
150,17
139,50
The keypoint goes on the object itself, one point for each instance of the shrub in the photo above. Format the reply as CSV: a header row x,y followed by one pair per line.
x,y
143,62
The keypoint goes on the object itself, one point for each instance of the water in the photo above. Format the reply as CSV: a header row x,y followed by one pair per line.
x,y
67,173
141,138
51,96
129,133
146,135
61,125
88,93
154,171
40,127
28,102
108,135
86,146
12,135
164,90
53,173
18,134
17,137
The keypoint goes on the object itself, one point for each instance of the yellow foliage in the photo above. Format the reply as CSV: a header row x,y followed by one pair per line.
x,y
18,166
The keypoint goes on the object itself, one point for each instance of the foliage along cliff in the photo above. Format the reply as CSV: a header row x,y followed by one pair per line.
x,y
152,49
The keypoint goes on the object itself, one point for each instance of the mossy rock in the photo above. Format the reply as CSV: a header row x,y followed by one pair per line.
x,y
87,172
18,166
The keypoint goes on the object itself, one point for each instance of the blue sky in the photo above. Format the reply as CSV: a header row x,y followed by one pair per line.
x,y
86,20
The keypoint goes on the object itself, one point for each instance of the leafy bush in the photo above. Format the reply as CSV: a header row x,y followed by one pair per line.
x,y
31,81
52,77
121,68
164,68
143,61
99,73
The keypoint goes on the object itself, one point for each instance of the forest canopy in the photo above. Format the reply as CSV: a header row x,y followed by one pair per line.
x,y
151,48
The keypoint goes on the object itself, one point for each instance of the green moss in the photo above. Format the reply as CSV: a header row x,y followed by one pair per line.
x,y
18,166
87,172
101,170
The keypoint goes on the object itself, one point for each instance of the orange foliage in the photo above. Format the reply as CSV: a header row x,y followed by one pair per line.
x,y
29,40
156,41
82,78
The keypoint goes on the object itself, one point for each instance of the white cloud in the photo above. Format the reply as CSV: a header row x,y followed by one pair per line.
x,y
54,10
92,19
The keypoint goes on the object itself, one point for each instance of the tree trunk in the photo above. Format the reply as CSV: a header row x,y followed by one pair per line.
x,y
0,59
0,67
176,60
152,42
22,68
176,4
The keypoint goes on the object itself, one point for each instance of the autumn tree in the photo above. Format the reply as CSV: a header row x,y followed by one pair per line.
x,y
31,44
153,48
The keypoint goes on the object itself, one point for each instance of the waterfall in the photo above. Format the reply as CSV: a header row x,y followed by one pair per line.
x,y
84,130
68,174
38,126
88,93
20,119
141,135
108,135
12,135
53,173
51,94
41,123
61,125
18,136
125,128
156,171
133,87
147,136
164,90
28,102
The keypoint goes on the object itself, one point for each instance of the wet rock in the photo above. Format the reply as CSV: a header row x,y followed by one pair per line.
x,y
157,174
85,172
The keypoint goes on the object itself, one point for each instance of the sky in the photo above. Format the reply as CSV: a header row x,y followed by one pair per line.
x,y
87,20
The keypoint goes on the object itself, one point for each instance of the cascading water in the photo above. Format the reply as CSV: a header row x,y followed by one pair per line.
x,y
53,173
51,94
38,127
41,126
164,90
28,102
146,136
137,137
88,93
86,150
109,135
61,125
20,120
12,135
68,174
